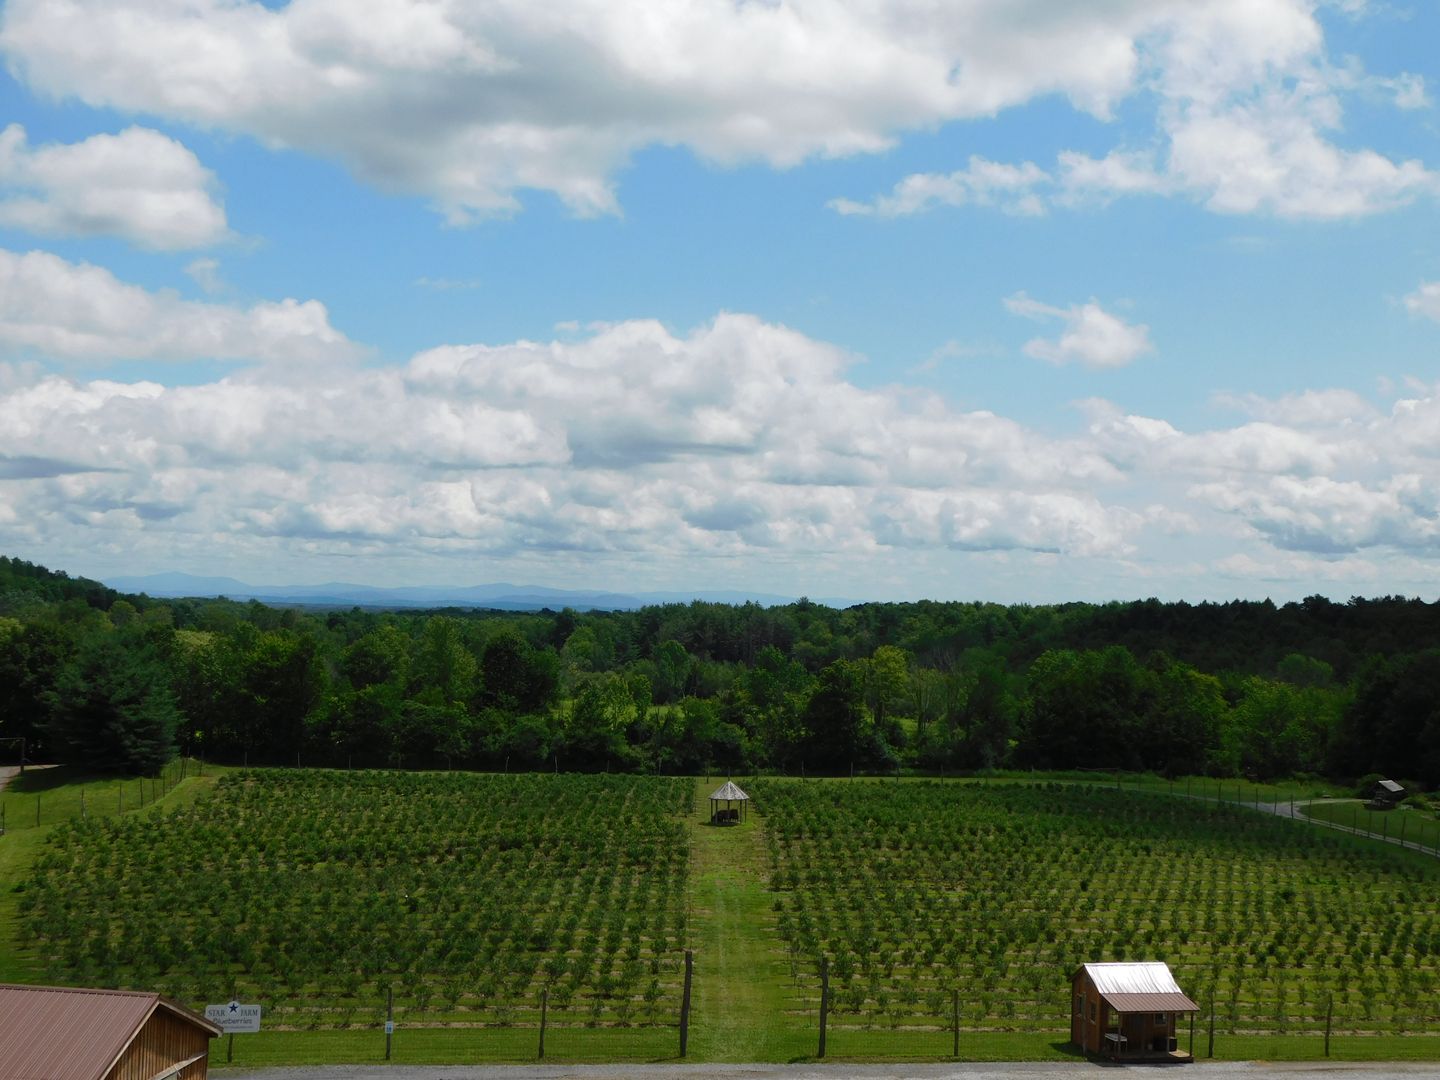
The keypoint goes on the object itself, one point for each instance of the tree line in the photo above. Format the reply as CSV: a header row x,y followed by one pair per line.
x,y
1246,688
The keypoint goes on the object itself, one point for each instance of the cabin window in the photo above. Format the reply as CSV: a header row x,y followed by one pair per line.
x,y
1094,1012
1079,1004
1162,1018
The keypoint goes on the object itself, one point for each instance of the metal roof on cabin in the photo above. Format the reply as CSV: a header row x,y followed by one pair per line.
x,y
1390,785
68,1033
1150,1003
1139,987
1148,977
729,792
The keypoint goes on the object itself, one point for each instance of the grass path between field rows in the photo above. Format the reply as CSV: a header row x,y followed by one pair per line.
x,y
741,990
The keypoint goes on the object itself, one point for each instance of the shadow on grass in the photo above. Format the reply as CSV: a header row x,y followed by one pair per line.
x,y
1066,1048
37,780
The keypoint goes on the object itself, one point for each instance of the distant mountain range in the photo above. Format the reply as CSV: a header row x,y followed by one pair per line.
x,y
501,595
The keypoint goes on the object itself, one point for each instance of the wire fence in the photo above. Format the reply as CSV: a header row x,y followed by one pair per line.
x,y
1028,1029
532,1031
44,795
552,1026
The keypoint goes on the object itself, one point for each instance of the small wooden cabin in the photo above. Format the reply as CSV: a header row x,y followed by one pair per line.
x,y
1386,795
1128,1011
64,1032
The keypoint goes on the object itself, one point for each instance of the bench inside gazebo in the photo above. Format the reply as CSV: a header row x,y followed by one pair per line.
x,y
727,804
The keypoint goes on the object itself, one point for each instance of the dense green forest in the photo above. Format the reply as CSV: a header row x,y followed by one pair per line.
x,y
1243,688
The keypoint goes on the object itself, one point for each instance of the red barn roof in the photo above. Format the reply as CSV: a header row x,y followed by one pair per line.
x,y
65,1033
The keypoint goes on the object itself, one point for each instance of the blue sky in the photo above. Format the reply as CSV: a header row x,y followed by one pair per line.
x,y
1019,301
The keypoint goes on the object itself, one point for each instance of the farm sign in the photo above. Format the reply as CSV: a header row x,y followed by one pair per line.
x,y
235,1018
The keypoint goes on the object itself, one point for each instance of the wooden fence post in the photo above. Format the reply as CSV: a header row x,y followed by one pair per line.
x,y
544,1004
1329,1012
685,1004
824,1000
389,1018
1210,1051
955,1023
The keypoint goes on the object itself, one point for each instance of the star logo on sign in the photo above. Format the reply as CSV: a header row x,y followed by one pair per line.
x,y
234,1006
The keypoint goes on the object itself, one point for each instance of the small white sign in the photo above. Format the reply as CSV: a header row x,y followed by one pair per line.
x,y
389,1027
235,1018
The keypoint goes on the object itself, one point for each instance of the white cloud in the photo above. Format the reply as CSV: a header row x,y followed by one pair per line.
x,y
741,437
468,104
740,441
1091,335
1248,110
206,274
981,183
68,311
139,185
1270,155
1326,516
1310,408
1409,91
1425,300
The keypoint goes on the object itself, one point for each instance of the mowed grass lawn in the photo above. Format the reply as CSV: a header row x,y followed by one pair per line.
x,y
1412,826
1247,907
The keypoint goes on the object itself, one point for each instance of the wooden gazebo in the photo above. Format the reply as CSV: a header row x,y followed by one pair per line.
x,y
727,793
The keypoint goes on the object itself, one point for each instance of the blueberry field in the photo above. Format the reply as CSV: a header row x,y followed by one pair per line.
x,y
316,893
914,890
940,910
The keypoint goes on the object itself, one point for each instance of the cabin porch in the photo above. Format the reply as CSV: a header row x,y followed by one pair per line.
x,y
1146,1036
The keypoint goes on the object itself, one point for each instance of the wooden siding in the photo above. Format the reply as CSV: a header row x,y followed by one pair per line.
x,y
1091,1018
163,1042
1087,1028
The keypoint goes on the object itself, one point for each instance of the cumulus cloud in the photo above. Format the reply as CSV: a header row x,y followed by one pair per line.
x,y
1091,335
740,437
1326,516
1425,300
66,311
739,440
1331,409
1247,121
139,185
469,104
981,183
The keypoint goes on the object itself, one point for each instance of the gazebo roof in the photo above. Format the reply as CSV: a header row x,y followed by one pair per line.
x,y
730,792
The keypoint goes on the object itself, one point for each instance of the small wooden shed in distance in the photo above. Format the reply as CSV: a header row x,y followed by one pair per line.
x,y
727,794
1386,795
1128,1011
64,1033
